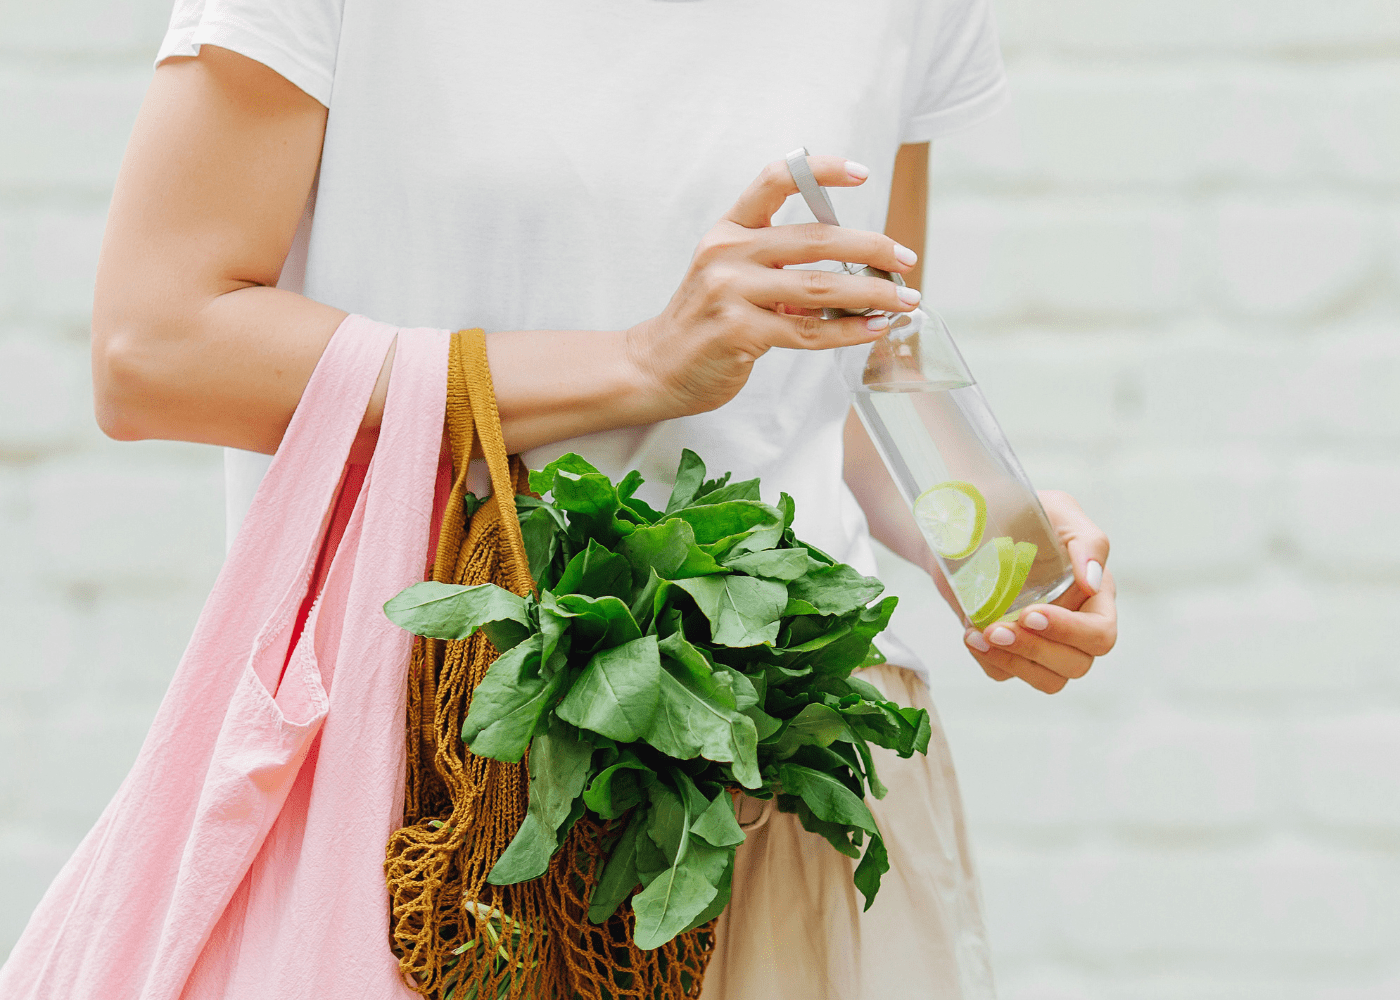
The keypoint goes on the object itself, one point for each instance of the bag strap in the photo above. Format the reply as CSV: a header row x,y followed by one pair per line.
x,y
474,427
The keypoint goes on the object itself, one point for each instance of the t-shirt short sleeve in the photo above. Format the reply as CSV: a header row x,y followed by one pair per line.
x,y
956,74
296,38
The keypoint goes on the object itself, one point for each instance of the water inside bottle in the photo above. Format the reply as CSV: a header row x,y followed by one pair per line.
x,y
939,432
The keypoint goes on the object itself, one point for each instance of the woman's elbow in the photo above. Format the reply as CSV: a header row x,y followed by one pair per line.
x,y
124,382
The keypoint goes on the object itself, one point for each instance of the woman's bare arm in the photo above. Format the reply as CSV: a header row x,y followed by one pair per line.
x,y
192,341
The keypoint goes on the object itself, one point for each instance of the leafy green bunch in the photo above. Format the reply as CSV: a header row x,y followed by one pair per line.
x,y
671,658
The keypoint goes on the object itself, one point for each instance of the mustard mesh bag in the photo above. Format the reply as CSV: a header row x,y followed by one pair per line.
x,y
457,936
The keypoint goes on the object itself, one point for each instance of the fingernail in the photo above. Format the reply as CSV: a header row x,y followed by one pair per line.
x,y
1093,576
975,640
909,296
1036,621
857,170
1002,636
904,255
877,322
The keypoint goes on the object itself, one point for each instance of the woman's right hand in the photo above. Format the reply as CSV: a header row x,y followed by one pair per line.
x,y
737,300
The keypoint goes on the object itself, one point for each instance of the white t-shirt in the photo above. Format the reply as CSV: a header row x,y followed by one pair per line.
x,y
551,164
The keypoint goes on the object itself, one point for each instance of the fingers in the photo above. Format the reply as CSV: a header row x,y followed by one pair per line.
x,y
995,673
762,199
1087,544
812,333
769,287
1048,645
1093,628
999,665
1068,661
808,243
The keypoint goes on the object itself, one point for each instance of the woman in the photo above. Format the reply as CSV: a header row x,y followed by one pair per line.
x,y
544,170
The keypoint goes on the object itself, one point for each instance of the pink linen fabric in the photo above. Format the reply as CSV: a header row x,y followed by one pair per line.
x,y
242,856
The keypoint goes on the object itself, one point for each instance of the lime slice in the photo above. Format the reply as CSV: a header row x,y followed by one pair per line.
x,y
953,516
978,582
1022,558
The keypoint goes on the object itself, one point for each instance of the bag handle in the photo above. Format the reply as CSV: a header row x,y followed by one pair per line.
x,y
281,534
474,427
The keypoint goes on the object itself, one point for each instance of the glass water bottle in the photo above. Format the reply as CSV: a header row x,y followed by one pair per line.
x,y
933,428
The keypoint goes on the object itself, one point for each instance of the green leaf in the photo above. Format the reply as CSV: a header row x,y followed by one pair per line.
x,y
596,572
690,476
681,893
559,765
717,825
873,658
721,900
618,692
508,703
721,491
838,835
828,799
668,825
815,725
644,604
619,876
471,503
872,866
553,627
865,689
844,655
450,611
601,622
775,564
877,787
592,494
765,724
629,484
835,590
619,786
736,526
788,507
820,641
743,610
540,530
695,717
796,607
668,549
543,481
744,693
923,728
710,485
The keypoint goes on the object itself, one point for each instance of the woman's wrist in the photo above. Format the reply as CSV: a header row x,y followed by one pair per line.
x,y
552,385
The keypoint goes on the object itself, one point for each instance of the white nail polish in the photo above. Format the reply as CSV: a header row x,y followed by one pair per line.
x,y
975,640
904,255
909,296
1035,620
857,170
1002,636
1093,576
877,323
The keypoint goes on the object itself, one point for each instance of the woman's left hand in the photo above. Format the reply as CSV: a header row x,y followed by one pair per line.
x,y
1048,645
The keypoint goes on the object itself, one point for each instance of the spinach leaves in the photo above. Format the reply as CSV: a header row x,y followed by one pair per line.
x,y
671,659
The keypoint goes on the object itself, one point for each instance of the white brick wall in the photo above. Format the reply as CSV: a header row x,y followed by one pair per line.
x,y
1175,266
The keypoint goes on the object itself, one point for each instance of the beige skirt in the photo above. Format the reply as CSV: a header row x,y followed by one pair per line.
x,y
794,929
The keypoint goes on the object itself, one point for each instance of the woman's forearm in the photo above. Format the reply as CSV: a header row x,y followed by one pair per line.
x,y
232,372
